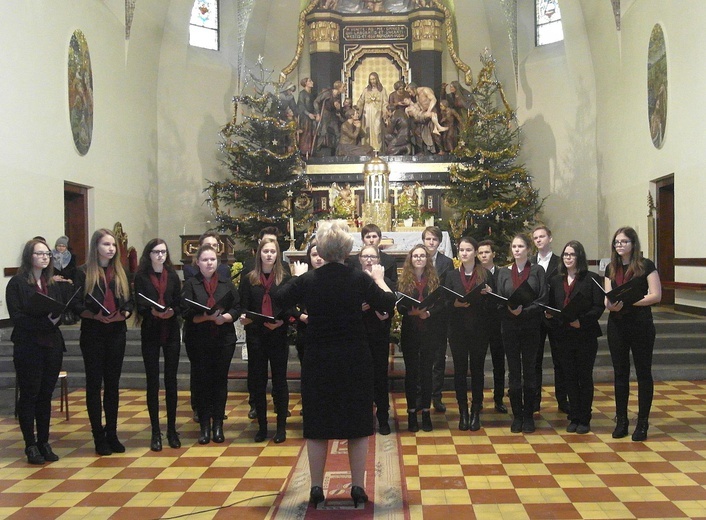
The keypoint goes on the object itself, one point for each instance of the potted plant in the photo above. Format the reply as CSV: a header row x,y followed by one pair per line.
x,y
407,210
428,216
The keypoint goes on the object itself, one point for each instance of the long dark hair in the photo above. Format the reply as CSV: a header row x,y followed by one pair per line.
x,y
581,262
146,261
379,85
481,273
635,266
25,269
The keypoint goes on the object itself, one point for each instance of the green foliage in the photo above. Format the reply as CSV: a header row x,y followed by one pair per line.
x,y
490,192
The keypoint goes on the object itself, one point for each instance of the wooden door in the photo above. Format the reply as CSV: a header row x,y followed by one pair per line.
x,y
665,236
76,220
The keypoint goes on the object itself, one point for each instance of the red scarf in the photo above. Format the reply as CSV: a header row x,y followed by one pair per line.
x,y
421,285
621,277
469,282
517,277
267,281
41,286
211,286
568,288
109,297
160,284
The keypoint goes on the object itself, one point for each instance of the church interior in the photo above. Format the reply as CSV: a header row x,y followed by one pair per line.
x,y
136,140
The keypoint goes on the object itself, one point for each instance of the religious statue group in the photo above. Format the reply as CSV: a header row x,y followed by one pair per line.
x,y
411,120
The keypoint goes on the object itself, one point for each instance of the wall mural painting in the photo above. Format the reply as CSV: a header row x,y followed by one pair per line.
x,y
80,92
657,86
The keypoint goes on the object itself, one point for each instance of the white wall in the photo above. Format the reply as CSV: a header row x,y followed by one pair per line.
x,y
37,153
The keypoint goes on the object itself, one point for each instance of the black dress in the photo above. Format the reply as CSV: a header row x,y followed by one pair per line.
x,y
337,374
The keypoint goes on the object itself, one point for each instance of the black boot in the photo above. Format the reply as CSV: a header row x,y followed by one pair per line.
x,y
100,442
115,445
528,420
621,426
427,425
47,452
156,442
499,405
261,434
281,433
463,420
640,433
384,424
33,455
412,424
516,405
205,433
474,424
217,432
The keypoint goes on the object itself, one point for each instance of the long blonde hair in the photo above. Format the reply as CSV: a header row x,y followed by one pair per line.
x,y
94,273
408,281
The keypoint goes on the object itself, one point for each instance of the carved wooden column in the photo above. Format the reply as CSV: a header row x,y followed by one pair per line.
x,y
427,46
325,48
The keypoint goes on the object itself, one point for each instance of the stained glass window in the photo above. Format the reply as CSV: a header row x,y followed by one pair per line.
x,y
203,26
548,22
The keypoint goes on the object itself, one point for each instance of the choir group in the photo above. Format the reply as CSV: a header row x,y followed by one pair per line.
x,y
471,306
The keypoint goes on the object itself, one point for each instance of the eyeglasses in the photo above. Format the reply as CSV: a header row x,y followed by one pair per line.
x,y
568,255
42,253
419,257
621,243
159,252
368,257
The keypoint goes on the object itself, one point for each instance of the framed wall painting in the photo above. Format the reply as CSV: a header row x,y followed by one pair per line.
x,y
80,78
657,86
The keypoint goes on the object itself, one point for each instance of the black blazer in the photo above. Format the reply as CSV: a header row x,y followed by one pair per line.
x,y
251,300
80,304
151,327
589,318
194,290
28,328
537,281
476,315
443,265
553,267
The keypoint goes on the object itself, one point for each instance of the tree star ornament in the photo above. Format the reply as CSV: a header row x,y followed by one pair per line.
x,y
274,142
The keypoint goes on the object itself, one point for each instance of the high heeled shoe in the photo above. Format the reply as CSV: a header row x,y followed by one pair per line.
x,y
358,495
316,496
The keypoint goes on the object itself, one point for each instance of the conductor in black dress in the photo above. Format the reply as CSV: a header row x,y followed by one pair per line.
x,y
337,374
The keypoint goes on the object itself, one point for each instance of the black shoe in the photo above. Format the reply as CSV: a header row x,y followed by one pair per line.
x,y
316,495
438,405
101,444
261,434
252,414
621,427
463,420
427,426
528,425
564,407
474,424
115,445
384,427
500,406
516,426
640,433
358,495
173,439
217,432
156,444
196,416
281,433
572,427
205,433
412,424
47,452
582,429
33,455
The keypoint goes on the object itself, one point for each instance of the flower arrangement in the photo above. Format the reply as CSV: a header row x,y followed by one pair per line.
x,y
406,208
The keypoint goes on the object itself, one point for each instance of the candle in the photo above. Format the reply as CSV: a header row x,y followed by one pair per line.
x,y
291,228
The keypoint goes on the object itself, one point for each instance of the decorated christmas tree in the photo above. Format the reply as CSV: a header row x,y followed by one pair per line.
x,y
266,171
491,194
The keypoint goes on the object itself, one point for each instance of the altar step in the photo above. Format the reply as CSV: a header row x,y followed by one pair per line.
x,y
679,355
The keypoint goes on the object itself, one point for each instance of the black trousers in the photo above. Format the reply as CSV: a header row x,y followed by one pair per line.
x,y
211,357
469,348
268,351
497,356
418,351
380,349
103,349
37,369
439,363
577,353
627,335
521,339
150,357
559,376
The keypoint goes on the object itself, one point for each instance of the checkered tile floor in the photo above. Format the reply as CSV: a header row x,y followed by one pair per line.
x,y
445,474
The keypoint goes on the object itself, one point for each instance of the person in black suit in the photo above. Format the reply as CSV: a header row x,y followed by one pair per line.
x,y
157,280
520,329
213,239
38,347
577,340
371,236
431,236
542,237
210,341
486,254
267,341
103,336
468,331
